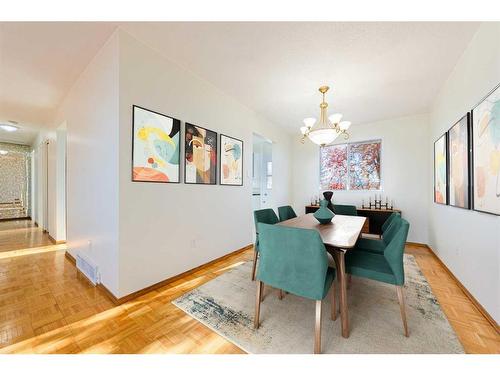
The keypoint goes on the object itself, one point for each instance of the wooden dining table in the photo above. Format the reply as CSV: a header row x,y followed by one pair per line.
x,y
339,236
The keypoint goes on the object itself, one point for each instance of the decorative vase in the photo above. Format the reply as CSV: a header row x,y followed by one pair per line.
x,y
328,196
323,214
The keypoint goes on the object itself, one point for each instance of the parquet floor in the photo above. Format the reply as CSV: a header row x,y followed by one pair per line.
x,y
475,333
21,234
46,307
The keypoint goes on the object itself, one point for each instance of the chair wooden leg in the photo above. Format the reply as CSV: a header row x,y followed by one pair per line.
x,y
334,302
349,281
256,322
401,299
281,294
254,268
317,329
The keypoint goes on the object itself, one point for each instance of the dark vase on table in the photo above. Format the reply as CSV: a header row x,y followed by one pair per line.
x,y
328,196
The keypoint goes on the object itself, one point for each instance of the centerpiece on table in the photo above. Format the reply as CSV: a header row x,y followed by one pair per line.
x,y
324,215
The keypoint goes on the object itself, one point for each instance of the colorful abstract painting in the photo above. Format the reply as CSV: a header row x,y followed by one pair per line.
x,y
440,186
458,151
155,147
333,167
364,165
200,155
486,153
231,161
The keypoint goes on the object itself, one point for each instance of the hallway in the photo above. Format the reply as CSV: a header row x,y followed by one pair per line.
x,y
21,234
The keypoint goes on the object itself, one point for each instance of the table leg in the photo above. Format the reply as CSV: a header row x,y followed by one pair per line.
x,y
344,315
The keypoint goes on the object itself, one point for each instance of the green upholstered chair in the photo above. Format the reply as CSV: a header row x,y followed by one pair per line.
x,y
286,212
294,260
386,267
389,220
267,216
344,209
389,229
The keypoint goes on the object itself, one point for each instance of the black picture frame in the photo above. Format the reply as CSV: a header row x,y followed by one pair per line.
x,y
220,160
472,152
447,166
186,125
177,123
467,117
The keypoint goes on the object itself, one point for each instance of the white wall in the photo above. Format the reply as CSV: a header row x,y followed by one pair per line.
x,y
90,111
40,148
33,199
404,174
468,241
60,234
51,187
166,229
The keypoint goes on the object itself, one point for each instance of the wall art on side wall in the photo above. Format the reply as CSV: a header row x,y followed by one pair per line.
x,y
155,146
440,171
333,167
364,165
486,153
200,162
231,161
458,152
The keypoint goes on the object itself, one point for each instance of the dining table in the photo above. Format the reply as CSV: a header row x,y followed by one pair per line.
x,y
339,236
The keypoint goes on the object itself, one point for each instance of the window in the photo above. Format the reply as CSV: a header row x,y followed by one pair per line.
x,y
351,166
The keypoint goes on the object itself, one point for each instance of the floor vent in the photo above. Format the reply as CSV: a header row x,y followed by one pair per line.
x,y
87,268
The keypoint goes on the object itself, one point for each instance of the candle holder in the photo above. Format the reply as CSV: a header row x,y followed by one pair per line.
x,y
377,204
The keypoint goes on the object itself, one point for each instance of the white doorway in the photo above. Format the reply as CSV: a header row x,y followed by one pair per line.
x,y
40,178
49,175
262,173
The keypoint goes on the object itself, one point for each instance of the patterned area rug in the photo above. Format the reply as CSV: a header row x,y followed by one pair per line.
x,y
226,305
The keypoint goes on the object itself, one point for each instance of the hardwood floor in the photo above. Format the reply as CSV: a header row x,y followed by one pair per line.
x,y
474,331
46,307
21,234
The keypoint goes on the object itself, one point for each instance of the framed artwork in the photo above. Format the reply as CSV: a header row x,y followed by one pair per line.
x,y
200,161
364,165
333,167
486,153
459,159
440,171
231,161
155,146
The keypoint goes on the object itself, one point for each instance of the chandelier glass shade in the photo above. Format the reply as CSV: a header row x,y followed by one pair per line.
x,y
328,127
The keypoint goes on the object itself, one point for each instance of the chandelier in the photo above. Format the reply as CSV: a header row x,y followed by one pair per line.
x,y
328,128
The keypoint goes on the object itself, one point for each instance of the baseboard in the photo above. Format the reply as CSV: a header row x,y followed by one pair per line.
x,y
418,244
108,293
15,218
118,301
73,260
51,239
475,302
70,257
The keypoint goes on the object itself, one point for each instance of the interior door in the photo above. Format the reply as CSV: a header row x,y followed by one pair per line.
x,y
266,175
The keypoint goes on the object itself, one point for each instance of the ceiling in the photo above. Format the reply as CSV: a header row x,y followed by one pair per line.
x,y
39,62
376,70
26,135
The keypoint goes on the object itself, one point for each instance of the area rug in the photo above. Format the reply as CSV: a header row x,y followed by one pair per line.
x,y
226,305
